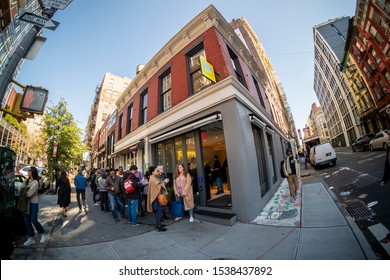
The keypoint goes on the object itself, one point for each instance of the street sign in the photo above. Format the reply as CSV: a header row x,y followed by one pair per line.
x,y
58,4
40,21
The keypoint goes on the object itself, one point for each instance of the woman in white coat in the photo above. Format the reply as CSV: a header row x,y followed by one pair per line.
x,y
182,187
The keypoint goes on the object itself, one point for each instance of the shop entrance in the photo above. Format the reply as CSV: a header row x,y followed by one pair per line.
x,y
216,172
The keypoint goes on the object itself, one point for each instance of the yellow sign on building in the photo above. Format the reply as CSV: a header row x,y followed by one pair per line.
x,y
207,69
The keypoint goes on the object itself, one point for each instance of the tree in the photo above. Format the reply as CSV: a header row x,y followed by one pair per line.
x,y
60,127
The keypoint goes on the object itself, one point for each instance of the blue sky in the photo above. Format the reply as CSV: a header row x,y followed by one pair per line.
x,y
97,36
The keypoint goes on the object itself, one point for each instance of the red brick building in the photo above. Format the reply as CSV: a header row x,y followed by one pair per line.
x,y
200,96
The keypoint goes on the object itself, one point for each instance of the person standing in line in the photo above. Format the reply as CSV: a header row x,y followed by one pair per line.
x,y
182,186
81,185
64,191
94,186
113,188
292,171
217,174
32,185
120,171
101,183
156,185
163,178
132,198
143,191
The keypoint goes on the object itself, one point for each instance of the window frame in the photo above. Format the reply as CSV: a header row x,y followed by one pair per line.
x,y
130,111
236,66
120,126
192,71
143,109
162,92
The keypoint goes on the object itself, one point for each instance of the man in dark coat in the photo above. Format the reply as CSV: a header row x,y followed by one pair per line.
x,y
132,198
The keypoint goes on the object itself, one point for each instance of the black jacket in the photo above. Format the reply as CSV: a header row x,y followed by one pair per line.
x,y
138,187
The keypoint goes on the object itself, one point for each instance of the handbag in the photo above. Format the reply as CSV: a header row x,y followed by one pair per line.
x,y
177,208
128,184
162,198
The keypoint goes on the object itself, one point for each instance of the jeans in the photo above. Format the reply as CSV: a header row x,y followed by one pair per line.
x,y
32,219
104,201
159,211
116,199
132,210
218,182
82,194
191,211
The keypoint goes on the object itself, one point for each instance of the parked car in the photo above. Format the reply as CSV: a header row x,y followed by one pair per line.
x,y
322,154
381,140
362,143
44,182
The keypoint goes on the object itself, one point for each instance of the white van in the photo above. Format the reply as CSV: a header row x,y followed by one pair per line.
x,y
322,154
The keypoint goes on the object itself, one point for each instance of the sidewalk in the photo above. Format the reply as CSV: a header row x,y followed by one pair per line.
x,y
318,231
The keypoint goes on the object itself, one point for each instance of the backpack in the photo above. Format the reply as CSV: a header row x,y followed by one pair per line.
x,y
282,169
128,185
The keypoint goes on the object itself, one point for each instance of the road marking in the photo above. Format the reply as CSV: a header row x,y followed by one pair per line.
x,y
371,158
380,232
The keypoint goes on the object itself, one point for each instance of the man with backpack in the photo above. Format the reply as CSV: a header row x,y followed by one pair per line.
x,y
129,177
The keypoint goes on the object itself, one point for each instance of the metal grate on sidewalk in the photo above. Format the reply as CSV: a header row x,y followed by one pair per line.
x,y
358,209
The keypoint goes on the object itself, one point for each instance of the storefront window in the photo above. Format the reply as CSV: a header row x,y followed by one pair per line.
x,y
168,166
160,154
178,150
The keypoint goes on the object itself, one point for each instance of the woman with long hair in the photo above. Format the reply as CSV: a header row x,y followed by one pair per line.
x,y
156,186
64,191
182,186
32,184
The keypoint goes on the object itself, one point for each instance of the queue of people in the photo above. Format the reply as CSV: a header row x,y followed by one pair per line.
x,y
108,192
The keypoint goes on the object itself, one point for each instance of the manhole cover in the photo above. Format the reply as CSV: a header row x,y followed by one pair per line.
x,y
358,209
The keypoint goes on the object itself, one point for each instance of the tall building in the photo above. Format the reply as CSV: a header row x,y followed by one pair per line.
x,y
12,32
317,123
202,95
330,86
275,100
103,105
366,63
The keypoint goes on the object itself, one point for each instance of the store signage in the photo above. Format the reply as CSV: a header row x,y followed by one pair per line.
x,y
207,69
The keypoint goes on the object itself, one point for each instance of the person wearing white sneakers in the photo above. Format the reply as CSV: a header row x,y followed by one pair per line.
x,y
31,218
182,187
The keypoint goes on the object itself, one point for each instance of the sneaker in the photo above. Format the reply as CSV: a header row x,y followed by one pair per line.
x,y
96,204
85,208
43,238
177,218
293,199
161,229
191,219
80,211
29,241
117,219
134,225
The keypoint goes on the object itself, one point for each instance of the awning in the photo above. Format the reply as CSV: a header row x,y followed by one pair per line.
x,y
255,120
188,127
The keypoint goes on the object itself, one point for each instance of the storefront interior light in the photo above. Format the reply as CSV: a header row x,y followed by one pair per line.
x,y
191,126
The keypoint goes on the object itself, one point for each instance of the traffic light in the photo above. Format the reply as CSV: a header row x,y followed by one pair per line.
x,y
34,100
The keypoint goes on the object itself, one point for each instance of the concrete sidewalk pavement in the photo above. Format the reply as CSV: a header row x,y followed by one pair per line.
x,y
321,232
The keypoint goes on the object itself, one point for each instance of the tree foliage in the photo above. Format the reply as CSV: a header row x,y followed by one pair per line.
x,y
59,126
17,124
